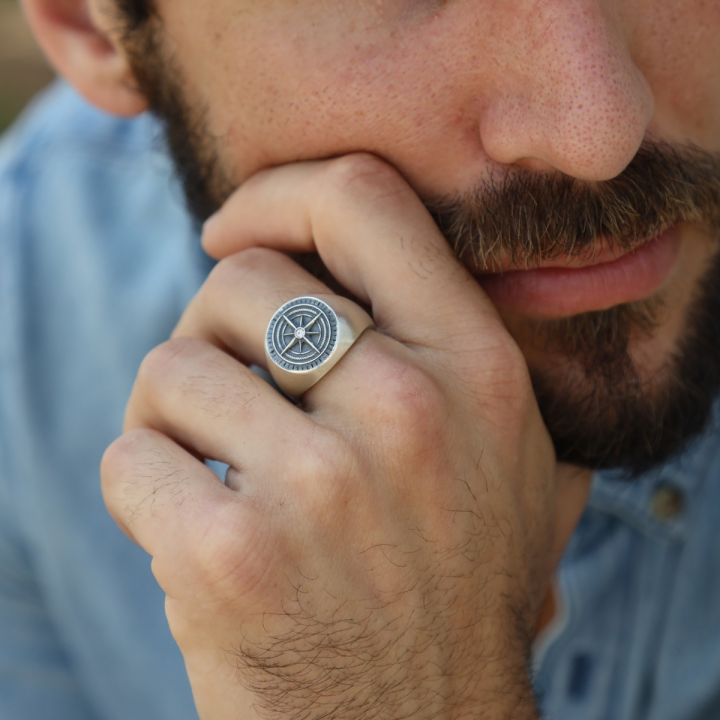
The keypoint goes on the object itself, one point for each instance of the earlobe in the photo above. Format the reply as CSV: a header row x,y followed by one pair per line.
x,y
87,52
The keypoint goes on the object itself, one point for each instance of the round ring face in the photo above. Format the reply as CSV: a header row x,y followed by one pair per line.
x,y
302,334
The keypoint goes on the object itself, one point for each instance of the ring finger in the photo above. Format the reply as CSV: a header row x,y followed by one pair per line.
x,y
235,305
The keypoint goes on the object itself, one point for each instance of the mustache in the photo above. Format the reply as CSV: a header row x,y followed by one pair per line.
x,y
530,217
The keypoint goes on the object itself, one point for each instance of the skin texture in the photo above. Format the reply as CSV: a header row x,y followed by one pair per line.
x,y
384,78
419,474
612,388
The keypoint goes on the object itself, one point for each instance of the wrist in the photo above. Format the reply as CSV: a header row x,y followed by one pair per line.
x,y
507,696
502,688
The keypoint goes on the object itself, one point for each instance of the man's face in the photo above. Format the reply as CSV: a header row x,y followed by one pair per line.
x,y
515,123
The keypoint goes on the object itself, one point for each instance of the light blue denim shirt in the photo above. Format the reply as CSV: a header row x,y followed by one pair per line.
x,y
97,261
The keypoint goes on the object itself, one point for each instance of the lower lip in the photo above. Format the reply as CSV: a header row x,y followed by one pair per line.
x,y
556,292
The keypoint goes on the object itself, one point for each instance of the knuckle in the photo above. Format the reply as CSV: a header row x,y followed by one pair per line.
x,y
244,264
325,458
365,176
164,363
321,473
410,407
123,454
131,459
188,374
244,274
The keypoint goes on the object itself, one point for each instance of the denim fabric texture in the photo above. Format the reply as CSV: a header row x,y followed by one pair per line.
x,y
98,259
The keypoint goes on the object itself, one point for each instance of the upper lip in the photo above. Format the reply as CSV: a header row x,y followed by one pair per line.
x,y
599,253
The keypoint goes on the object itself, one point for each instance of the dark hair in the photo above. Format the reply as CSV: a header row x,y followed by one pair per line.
x,y
135,12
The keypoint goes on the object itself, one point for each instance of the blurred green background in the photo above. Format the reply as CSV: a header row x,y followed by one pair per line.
x,y
23,70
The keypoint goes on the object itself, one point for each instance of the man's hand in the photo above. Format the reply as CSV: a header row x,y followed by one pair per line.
x,y
382,550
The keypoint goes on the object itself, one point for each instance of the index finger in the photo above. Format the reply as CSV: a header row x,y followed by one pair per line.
x,y
374,235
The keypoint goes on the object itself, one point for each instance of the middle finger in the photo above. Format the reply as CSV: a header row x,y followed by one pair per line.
x,y
210,403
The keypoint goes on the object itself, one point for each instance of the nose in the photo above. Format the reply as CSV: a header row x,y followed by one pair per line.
x,y
566,94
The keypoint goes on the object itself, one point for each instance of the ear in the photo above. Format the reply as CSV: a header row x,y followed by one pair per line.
x,y
84,45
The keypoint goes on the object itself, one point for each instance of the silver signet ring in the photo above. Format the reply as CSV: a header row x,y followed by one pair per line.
x,y
308,336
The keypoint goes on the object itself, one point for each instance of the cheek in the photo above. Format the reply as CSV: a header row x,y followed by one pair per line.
x,y
284,81
330,105
278,86
679,53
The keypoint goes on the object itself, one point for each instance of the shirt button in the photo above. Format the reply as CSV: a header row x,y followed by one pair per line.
x,y
667,502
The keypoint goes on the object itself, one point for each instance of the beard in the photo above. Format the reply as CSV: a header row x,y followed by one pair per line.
x,y
601,408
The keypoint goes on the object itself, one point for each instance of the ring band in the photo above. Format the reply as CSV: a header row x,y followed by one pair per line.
x,y
307,337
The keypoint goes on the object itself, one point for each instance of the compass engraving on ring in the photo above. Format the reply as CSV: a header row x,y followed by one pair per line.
x,y
302,334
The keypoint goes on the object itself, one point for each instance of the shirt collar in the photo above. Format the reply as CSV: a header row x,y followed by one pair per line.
x,y
635,502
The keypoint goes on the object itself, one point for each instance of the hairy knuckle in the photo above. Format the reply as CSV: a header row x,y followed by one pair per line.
x,y
187,374
124,453
131,470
